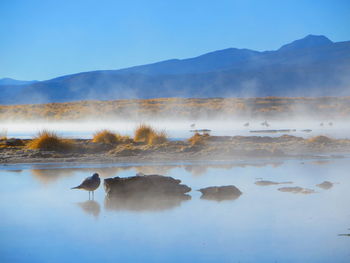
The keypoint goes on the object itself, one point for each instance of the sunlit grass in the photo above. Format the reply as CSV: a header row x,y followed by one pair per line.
x,y
158,138
50,141
198,139
143,133
148,135
320,139
3,134
106,136
180,108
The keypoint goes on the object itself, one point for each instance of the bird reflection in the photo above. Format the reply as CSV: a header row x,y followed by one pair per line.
x,y
90,207
141,203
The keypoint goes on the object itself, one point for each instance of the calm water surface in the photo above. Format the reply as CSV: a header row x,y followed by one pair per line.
x,y
42,220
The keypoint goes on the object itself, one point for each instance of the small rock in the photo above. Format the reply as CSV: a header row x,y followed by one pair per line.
x,y
297,190
220,193
266,183
325,185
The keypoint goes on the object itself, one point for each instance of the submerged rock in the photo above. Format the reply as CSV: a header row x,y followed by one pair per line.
x,y
297,190
267,183
220,193
325,185
145,185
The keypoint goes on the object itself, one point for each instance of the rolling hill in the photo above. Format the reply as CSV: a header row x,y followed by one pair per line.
x,y
312,66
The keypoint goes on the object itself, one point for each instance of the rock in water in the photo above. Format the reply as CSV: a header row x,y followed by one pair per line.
x,y
144,193
145,185
220,193
296,190
325,185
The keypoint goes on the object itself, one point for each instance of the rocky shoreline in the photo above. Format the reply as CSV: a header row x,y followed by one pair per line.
x,y
211,148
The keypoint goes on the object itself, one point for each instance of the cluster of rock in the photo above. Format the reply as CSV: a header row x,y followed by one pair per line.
x,y
144,192
156,192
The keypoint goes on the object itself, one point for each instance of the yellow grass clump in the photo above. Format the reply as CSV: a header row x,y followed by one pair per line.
x,y
320,139
3,134
157,138
198,139
50,141
148,135
107,136
143,133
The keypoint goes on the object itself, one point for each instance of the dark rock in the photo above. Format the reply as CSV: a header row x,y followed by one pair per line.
x,y
14,142
325,185
297,190
220,193
143,185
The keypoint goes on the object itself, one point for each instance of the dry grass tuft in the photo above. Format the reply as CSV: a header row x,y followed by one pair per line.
x,y
158,138
143,133
320,139
50,141
108,137
148,135
198,139
3,134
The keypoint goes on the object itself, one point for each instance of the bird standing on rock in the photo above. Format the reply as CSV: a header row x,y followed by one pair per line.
x,y
90,184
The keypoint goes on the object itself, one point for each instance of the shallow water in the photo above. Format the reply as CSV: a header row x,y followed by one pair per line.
x,y
42,220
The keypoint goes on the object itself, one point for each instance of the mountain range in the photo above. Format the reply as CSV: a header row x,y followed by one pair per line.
x,y
311,66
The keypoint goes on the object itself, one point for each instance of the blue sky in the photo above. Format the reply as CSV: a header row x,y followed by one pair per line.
x,y
42,39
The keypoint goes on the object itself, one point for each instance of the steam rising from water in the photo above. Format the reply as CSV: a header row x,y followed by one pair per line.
x,y
180,129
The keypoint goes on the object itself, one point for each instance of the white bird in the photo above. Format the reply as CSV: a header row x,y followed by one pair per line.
x,y
90,184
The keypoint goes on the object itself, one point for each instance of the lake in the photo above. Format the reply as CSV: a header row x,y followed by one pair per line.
x,y
43,220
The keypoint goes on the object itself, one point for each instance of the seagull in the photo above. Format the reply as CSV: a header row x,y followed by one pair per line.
x,y
90,184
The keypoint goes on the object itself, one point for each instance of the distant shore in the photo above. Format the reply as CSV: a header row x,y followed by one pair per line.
x,y
322,108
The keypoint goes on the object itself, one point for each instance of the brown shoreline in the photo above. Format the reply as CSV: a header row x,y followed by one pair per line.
x,y
214,148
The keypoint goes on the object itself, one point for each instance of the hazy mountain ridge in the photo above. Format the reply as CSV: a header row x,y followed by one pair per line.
x,y
14,82
312,66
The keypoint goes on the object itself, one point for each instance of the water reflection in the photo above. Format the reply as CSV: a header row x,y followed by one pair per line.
x,y
15,171
141,203
219,198
267,183
46,176
90,207
156,169
50,175
297,190
321,162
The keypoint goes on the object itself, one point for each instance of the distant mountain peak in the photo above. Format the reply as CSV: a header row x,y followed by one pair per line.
x,y
310,41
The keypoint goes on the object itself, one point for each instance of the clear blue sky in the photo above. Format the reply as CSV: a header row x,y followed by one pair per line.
x,y
42,39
